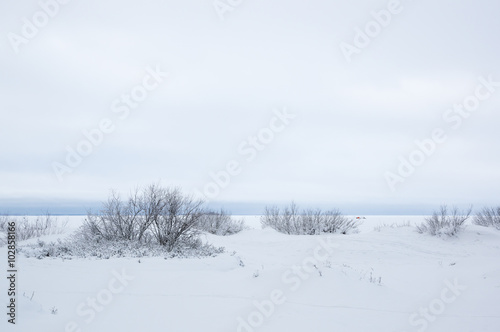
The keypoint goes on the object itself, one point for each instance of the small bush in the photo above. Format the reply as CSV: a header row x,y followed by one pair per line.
x,y
219,223
286,221
32,227
129,219
158,215
308,222
335,222
488,217
175,222
446,223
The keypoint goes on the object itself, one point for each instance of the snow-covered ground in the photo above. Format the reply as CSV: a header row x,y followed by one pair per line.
x,y
381,279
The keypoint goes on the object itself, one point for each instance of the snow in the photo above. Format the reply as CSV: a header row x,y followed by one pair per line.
x,y
381,279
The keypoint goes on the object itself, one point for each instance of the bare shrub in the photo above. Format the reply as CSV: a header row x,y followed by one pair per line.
x,y
126,220
443,222
308,222
32,227
174,225
285,221
162,215
219,223
488,217
335,222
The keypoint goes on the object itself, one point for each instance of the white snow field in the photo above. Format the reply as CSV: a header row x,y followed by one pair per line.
x,y
384,279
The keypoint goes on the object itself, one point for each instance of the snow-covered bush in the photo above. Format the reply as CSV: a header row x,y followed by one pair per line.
x,y
488,217
335,222
285,221
129,219
174,223
154,221
219,223
308,222
27,228
443,222
161,215
31,227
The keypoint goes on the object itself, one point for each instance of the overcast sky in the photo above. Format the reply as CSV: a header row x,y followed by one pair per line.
x,y
356,103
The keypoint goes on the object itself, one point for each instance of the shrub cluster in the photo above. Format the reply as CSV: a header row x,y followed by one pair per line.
x,y
219,223
153,219
158,215
31,227
488,217
291,220
445,222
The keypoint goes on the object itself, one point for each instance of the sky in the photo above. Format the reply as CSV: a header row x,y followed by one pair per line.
x,y
373,107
